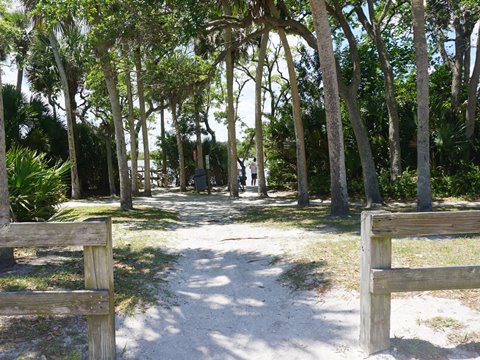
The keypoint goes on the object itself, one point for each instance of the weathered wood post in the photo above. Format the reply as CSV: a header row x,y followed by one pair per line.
x,y
374,308
98,264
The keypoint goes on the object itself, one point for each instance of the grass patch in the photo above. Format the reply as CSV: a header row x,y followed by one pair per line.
x,y
336,254
55,337
468,340
139,264
441,323
141,218
457,334
138,258
308,218
305,276
340,260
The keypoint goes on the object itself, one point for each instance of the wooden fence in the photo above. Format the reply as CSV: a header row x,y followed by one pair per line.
x,y
379,280
96,301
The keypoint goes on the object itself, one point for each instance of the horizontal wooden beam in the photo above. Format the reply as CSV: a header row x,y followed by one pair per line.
x,y
425,223
385,281
92,233
79,302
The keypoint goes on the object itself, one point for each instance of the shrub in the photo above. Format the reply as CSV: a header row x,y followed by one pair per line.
x,y
405,187
464,183
35,189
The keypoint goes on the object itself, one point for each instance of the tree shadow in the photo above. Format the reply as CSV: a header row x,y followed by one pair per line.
x,y
231,305
137,274
404,349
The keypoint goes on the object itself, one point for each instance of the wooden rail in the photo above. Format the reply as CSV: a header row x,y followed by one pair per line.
x,y
379,280
96,302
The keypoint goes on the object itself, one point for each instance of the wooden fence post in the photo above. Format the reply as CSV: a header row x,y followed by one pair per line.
x,y
98,263
374,309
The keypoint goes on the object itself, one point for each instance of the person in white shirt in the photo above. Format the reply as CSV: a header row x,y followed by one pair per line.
x,y
253,170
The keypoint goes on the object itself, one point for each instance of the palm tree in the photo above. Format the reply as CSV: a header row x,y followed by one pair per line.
x,y
350,93
103,52
68,26
70,114
6,254
232,137
424,200
143,122
262,185
374,31
302,181
21,42
133,133
338,177
473,91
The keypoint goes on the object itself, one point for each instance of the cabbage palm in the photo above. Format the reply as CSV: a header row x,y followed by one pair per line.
x,y
338,177
35,188
7,33
424,202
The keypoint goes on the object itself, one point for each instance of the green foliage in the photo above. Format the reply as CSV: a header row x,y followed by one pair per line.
x,y
176,74
30,124
43,77
8,32
35,189
92,161
405,187
171,149
465,183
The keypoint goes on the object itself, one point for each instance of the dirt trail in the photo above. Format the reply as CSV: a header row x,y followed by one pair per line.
x,y
228,303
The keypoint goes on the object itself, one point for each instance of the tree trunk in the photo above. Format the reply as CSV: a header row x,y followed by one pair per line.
x,y
457,68
70,115
181,156
111,82
6,254
133,134
232,137
111,177
472,92
392,107
198,132
143,121
370,180
349,94
262,184
338,176
302,182
19,79
424,201
374,32
164,150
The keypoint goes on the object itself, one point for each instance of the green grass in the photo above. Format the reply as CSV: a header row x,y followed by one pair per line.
x,y
308,218
137,252
441,323
55,337
141,218
139,262
334,258
306,276
457,333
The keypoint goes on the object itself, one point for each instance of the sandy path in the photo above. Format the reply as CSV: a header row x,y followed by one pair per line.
x,y
228,303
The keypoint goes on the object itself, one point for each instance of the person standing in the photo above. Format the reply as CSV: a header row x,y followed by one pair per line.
x,y
253,170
